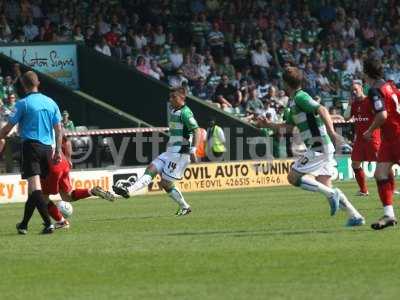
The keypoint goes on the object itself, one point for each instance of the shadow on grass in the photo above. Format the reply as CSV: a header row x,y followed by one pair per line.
x,y
126,218
248,233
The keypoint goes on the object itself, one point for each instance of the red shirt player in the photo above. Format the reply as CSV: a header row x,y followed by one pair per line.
x,y
362,111
385,99
58,181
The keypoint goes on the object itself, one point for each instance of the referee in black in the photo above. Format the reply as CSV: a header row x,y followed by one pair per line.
x,y
36,115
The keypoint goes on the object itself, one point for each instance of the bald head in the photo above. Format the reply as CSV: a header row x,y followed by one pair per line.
x,y
30,81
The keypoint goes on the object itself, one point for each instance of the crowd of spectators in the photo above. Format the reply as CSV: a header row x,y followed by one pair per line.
x,y
230,53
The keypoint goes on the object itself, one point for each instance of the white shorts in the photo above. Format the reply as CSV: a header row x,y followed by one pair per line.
x,y
316,164
171,165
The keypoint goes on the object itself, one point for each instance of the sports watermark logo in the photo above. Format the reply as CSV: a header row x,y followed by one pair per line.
x,y
141,148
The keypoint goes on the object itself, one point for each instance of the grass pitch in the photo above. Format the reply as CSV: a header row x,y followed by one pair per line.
x,y
277,243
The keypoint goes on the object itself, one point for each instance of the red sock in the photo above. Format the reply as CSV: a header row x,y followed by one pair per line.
x,y
360,177
80,194
54,212
385,190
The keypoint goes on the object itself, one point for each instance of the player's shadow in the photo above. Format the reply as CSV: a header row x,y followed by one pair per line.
x,y
247,233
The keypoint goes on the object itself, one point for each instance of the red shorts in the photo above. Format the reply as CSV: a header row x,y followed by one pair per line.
x,y
364,150
390,151
57,179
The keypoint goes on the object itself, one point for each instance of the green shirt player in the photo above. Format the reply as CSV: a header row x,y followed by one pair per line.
x,y
181,149
313,171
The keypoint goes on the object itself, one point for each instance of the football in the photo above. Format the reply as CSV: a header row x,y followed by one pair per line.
x,y
65,208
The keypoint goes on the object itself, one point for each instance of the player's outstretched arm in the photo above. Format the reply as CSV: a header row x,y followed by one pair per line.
x,y
263,122
196,142
326,118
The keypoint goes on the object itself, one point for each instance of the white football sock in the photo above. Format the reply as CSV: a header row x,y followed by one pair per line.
x,y
312,185
388,211
176,195
141,183
346,205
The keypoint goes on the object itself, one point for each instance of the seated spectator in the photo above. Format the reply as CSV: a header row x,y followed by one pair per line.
x,y
354,66
142,66
159,37
125,48
270,111
236,81
227,68
310,79
155,70
8,105
239,52
177,79
244,89
282,99
77,35
6,27
254,106
216,41
202,68
66,122
272,94
163,59
262,88
147,55
226,94
189,69
345,79
129,61
394,73
187,88
260,59
64,35
31,31
102,46
280,114
139,40
176,57
323,83
8,87
213,79
201,90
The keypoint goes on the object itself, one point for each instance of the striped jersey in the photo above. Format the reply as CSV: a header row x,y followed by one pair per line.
x,y
181,125
303,114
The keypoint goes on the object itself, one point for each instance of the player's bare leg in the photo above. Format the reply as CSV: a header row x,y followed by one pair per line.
x,y
360,177
385,182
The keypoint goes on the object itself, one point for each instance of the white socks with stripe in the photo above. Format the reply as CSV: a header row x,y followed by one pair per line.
x,y
312,185
177,196
141,183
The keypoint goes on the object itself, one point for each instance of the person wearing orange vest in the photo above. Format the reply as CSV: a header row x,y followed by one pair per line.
x,y
201,148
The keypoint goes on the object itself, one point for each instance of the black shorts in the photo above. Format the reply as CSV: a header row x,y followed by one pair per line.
x,y
35,159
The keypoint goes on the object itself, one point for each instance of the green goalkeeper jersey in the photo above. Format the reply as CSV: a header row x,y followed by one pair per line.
x,y
181,125
303,114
